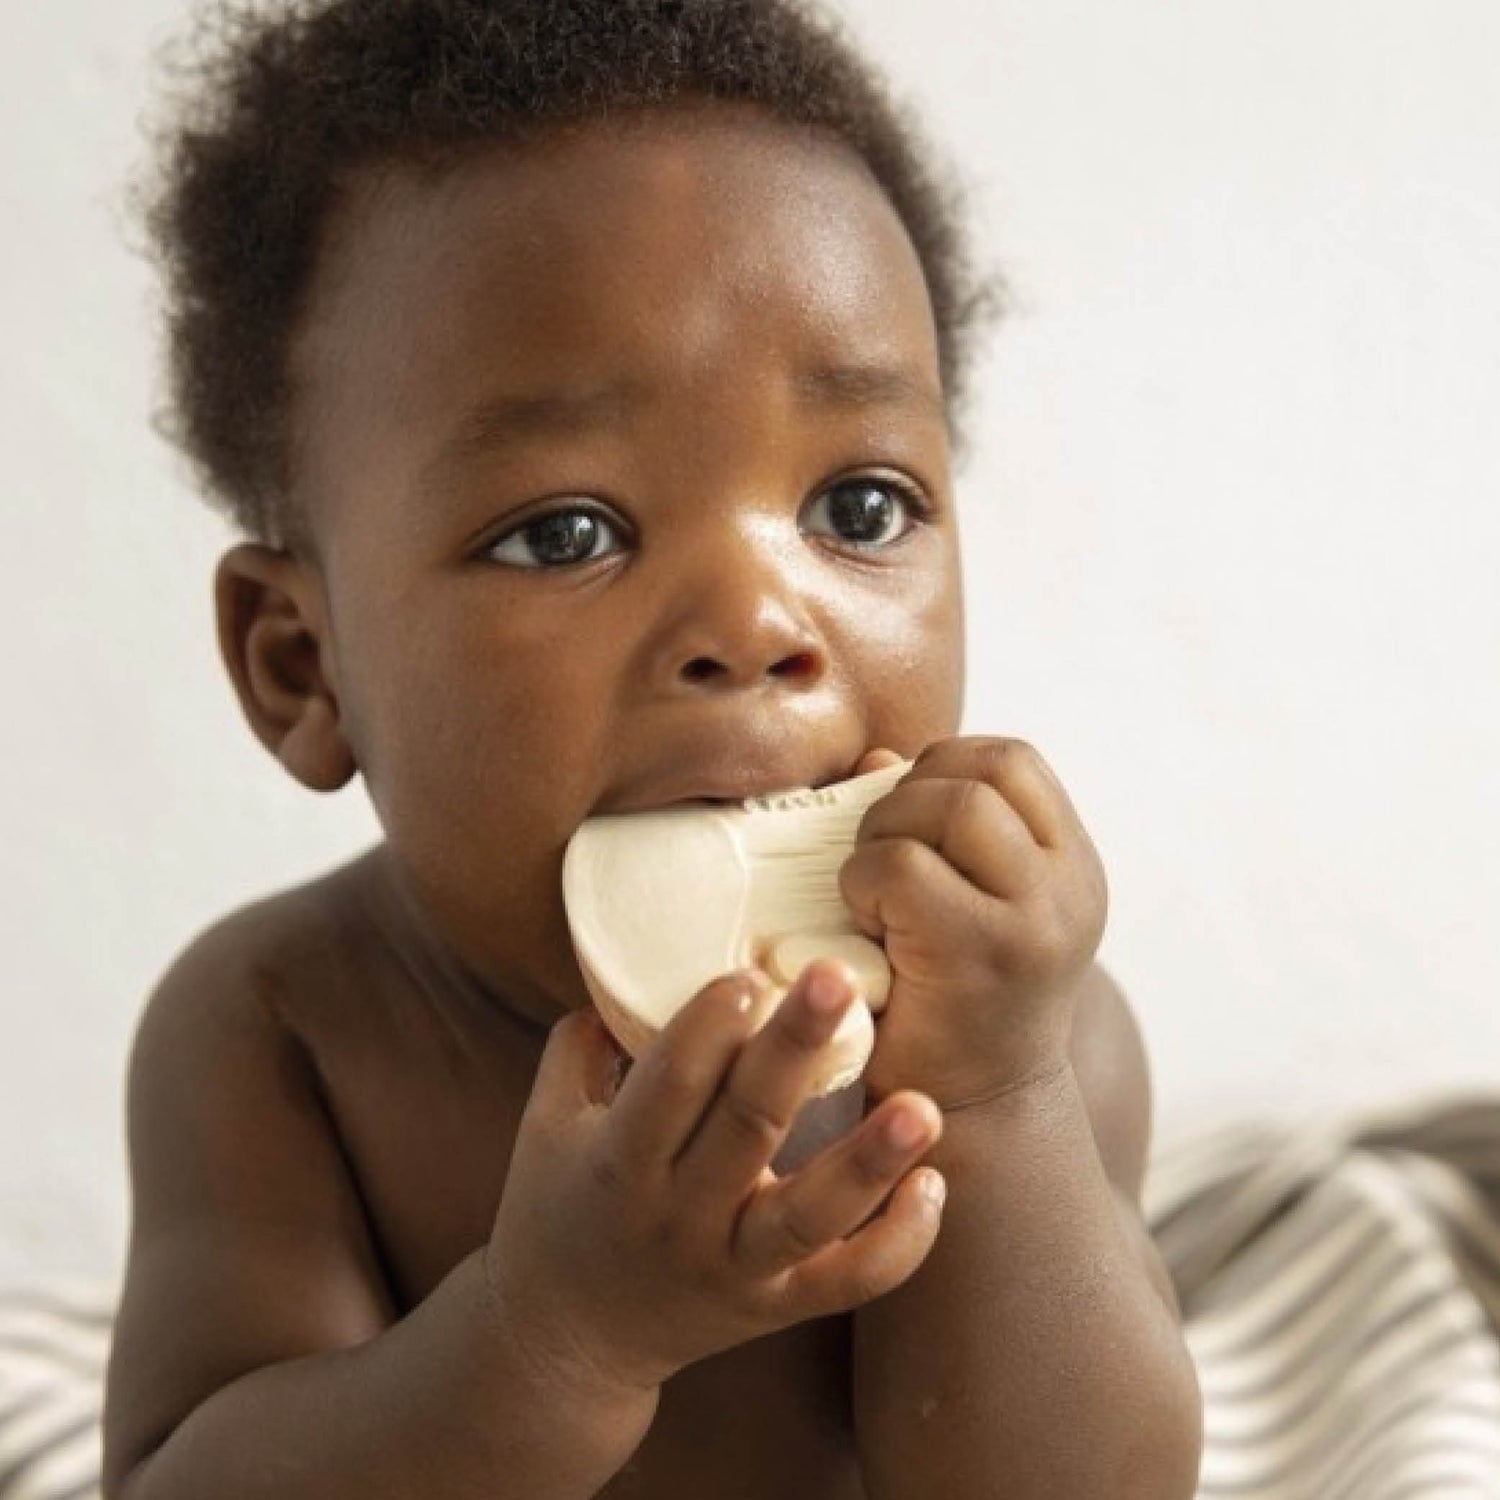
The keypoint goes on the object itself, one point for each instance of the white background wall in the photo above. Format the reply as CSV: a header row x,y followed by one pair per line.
x,y
1233,532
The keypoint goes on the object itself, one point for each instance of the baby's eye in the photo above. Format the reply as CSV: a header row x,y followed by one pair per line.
x,y
867,512
557,539
870,513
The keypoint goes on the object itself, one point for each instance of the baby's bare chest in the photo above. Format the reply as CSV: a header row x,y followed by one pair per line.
x,y
428,1124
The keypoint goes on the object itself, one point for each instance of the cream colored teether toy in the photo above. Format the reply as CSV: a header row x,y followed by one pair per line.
x,y
661,902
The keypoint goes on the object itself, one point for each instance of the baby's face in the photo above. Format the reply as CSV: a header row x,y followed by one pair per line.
x,y
626,461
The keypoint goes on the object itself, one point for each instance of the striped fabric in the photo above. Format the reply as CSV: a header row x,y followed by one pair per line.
x,y
54,1340
1340,1286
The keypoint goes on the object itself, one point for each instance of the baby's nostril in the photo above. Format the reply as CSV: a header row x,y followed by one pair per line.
x,y
802,664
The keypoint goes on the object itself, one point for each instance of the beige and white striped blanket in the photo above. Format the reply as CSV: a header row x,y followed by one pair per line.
x,y
1340,1286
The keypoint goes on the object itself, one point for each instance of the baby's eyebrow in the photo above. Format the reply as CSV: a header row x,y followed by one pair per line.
x,y
861,385
498,420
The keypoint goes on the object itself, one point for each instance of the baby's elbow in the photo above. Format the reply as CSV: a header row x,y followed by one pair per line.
x,y
127,1482
1175,1453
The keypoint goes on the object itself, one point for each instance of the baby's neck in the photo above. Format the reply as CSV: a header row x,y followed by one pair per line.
x,y
395,915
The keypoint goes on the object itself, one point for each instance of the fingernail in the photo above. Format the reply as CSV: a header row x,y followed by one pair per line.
x,y
825,990
905,1130
934,1190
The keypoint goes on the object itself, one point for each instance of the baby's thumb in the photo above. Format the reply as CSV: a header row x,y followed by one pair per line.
x,y
581,1064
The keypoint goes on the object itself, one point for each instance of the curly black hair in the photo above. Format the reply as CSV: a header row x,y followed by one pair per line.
x,y
275,107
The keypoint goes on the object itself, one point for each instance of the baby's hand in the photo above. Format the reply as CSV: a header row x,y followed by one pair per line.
x,y
643,1230
978,877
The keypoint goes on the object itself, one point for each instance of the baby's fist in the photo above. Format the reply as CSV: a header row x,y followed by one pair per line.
x,y
977,875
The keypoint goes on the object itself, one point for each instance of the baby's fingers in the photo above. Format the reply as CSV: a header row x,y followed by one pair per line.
x,y
848,1273
662,1100
765,1088
794,1219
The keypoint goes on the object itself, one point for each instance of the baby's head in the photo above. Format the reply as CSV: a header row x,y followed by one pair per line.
x,y
583,375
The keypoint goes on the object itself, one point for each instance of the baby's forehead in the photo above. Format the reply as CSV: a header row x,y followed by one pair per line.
x,y
589,208
671,252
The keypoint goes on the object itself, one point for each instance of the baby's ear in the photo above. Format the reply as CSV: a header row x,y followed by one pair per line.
x,y
274,640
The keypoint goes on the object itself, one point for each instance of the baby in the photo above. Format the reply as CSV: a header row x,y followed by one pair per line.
x,y
582,376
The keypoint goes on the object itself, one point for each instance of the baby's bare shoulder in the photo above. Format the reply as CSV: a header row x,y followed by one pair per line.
x,y
282,950
249,1243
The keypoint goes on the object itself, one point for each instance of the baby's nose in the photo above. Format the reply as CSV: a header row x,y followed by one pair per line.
x,y
769,647
741,623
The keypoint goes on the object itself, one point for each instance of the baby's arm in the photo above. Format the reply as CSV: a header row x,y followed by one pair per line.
x,y
1039,1351
256,1354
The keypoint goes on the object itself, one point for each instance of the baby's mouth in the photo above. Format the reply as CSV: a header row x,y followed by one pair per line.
x,y
705,802
720,786
740,799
